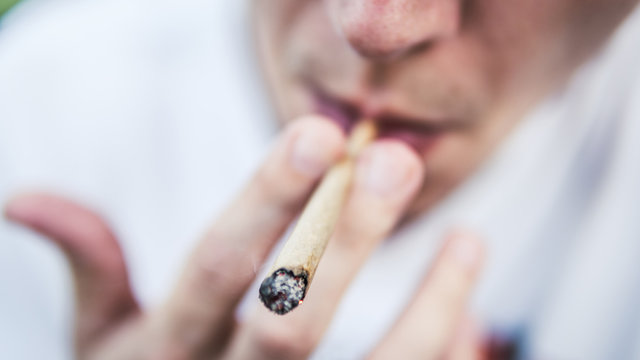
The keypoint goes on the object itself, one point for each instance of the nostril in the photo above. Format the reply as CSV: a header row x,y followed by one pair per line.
x,y
377,39
420,48
374,50
381,52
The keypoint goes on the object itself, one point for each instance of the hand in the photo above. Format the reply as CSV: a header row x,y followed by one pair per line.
x,y
198,320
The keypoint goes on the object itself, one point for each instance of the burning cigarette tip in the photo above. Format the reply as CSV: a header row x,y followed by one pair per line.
x,y
283,291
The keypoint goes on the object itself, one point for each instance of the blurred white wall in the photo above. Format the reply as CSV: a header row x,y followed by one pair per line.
x,y
126,105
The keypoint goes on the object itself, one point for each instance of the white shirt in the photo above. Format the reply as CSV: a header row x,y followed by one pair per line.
x,y
153,114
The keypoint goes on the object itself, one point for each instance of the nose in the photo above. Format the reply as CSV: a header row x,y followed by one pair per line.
x,y
383,28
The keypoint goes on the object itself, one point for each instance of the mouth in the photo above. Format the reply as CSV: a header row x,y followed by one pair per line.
x,y
420,134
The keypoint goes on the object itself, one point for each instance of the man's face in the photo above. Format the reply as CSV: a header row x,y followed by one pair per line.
x,y
449,77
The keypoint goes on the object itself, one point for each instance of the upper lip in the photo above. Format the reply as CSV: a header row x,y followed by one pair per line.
x,y
385,115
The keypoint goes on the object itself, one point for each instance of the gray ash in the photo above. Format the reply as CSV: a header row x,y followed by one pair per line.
x,y
283,291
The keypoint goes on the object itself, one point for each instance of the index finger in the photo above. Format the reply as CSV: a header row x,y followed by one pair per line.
x,y
201,310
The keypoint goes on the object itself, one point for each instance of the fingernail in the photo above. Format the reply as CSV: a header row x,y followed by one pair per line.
x,y
383,173
466,250
309,156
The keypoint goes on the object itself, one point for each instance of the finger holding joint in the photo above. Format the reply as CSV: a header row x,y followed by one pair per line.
x,y
388,174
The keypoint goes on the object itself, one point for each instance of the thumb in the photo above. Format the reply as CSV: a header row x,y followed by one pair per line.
x,y
103,294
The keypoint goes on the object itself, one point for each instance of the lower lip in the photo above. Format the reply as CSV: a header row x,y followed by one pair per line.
x,y
421,142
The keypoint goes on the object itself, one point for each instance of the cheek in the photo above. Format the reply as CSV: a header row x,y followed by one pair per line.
x,y
314,49
453,76
522,37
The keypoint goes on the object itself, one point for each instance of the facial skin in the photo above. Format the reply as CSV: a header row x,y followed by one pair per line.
x,y
450,77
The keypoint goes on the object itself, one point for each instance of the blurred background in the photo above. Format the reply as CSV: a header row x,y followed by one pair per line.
x,y
5,5
100,100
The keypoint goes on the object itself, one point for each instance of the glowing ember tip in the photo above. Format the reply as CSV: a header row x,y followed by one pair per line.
x,y
282,291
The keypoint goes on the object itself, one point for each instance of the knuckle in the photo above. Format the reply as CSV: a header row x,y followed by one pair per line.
x,y
273,187
268,181
355,236
449,295
455,282
224,271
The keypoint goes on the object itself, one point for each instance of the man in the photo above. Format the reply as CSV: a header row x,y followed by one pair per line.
x,y
447,82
